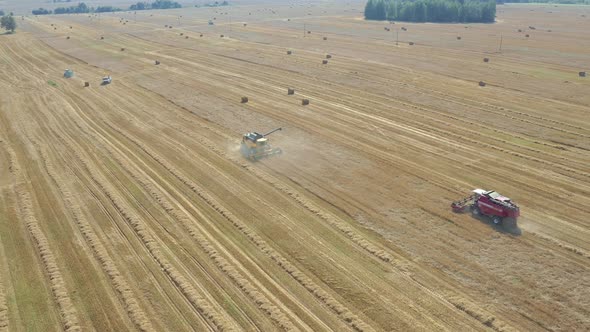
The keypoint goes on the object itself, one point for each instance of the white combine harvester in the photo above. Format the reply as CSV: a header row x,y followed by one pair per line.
x,y
107,80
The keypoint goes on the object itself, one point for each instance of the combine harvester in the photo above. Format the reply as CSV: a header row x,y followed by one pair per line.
x,y
255,146
107,80
491,204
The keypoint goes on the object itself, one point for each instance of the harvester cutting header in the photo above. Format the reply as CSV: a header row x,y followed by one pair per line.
x,y
489,203
255,146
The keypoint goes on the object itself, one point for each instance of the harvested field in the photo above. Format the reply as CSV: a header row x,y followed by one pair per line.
x,y
129,207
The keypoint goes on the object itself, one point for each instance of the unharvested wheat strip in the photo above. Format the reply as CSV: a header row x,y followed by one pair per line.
x,y
67,310
136,314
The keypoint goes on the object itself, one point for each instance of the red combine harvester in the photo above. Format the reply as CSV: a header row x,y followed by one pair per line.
x,y
489,203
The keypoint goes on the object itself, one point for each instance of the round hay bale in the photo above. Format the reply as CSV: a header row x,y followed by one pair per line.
x,y
582,74
245,24
305,102
519,30
86,84
122,49
182,33
411,43
324,62
165,25
185,37
157,62
201,35
328,56
71,27
549,30
290,91
482,83
404,28
309,32
170,27
289,52
486,59
458,38
68,37
527,35
221,36
325,38
244,100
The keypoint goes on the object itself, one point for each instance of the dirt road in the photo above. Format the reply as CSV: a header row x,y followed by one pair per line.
x,y
127,206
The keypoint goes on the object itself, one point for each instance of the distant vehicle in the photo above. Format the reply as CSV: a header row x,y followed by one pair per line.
x,y
69,73
489,203
107,80
255,146
211,22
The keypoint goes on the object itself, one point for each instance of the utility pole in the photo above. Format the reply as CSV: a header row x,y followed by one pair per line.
x,y
500,49
396,36
304,30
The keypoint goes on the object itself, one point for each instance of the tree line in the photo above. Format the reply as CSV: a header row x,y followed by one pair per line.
x,y
445,11
7,22
82,8
563,2
158,4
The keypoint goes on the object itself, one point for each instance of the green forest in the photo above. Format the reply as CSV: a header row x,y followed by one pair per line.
x,y
563,2
82,8
445,11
